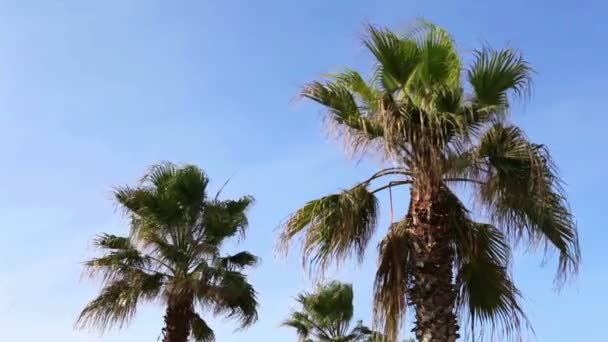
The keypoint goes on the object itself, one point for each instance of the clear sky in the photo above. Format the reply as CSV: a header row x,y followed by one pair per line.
x,y
92,93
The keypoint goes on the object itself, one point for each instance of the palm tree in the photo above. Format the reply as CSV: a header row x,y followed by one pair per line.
x,y
326,316
172,257
441,126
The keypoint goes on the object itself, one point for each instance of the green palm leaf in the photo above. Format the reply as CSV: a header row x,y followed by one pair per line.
x,y
367,96
225,219
392,280
344,112
239,261
232,295
336,225
398,59
117,303
486,291
301,323
524,195
440,65
201,332
496,73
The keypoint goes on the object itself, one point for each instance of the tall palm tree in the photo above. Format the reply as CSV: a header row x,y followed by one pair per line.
x,y
326,316
442,126
172,257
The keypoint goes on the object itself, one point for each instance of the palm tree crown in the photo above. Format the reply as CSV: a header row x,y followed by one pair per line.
x,y
172,256
441,125
326,316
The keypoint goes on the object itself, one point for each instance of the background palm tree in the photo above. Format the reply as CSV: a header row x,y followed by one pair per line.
x,y
172,257
326,316
440,125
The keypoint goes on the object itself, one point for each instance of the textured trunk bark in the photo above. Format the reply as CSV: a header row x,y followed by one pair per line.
x,y
433,294
178,320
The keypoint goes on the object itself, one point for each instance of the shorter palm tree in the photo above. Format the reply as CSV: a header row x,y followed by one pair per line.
x,y
326,316
172,257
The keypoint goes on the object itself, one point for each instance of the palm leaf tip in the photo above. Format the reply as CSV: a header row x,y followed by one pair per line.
x,y
333,227
201,332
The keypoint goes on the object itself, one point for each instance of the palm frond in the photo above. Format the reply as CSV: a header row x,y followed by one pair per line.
x,y
238,261
495,74
450,100
233,296
116,264
333,226
118,301
170,253
391,285
398,59
301,323
367,94
148,210
344,115
129,198
115,305
112,242
160,175
440,64
121,260
486,293
225,219
524,195
201,332
189,190
168,196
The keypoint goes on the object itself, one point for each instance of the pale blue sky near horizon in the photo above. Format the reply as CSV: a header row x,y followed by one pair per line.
x,y
92,93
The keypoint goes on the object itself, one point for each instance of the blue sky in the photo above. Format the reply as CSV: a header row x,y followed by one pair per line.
x,y
92,93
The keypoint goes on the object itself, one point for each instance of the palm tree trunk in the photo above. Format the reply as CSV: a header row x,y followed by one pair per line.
x,y
433,293
178,320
